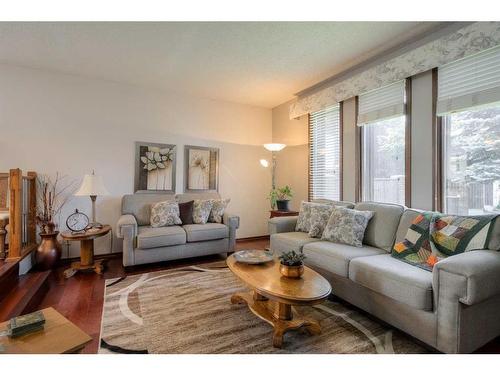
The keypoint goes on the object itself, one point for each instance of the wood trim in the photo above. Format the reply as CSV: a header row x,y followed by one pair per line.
x,y
309,157
255,238
358,149
32,207
437,148
408,118
341,151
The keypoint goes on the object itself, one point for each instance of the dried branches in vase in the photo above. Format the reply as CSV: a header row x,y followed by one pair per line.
x,y
52,195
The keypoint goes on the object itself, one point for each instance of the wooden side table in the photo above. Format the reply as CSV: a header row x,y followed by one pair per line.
x,y
276,213
58,336
86,250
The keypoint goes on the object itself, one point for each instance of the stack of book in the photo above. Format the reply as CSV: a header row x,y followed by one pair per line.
x,y
24,324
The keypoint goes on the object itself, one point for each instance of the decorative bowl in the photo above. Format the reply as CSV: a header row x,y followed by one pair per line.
x,y
253,256
293,272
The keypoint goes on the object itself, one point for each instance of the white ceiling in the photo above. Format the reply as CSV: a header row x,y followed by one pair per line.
x,y
260,64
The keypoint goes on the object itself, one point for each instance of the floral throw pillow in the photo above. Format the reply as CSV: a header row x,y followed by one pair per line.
x,y
319,218
218,208
165,214
347,226
305,216
201,210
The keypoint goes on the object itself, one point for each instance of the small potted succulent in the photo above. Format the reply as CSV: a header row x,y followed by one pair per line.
x,y
292,264
281,198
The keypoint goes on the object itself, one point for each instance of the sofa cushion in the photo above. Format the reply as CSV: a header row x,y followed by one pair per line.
x,y
165,214
139,205
218,208
335,257
394,279
206,232
149,238
319,218
381,230
288,241
407,218
201,210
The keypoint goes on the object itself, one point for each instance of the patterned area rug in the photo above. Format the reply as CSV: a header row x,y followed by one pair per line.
x,y
188,310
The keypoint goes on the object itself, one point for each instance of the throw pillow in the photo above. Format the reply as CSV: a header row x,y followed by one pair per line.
x,y
218,208
305,216
201,210
451,235
186,212
416,248
347,226
319,218
165,214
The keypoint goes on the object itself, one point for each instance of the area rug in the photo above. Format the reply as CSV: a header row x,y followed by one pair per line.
x,y
188,310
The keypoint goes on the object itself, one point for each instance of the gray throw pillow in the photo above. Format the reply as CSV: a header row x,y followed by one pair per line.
x,y
201,210
320,213
305,216
218,208
347,226
165,214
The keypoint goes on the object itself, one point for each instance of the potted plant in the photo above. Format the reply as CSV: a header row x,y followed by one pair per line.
x,y
51,198
292,264
281,198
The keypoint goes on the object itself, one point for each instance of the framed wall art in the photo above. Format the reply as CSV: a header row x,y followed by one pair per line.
x,y
154,167
201,168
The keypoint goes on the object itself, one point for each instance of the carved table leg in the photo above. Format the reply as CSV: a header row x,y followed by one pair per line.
x,y
3,232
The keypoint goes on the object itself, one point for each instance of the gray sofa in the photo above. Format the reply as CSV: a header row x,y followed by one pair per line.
x,y
144,244
455,308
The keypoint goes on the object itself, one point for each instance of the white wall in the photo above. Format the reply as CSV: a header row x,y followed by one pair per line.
x,y
292,161
54,122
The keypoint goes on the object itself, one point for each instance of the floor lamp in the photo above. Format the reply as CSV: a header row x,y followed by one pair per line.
x,y
274,148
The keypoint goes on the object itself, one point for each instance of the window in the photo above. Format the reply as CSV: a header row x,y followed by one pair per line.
x,y
383,122
469,107
471,161
383,165
324,154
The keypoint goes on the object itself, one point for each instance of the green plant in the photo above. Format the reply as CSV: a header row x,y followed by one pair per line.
x,y
284,193
273,196
292,258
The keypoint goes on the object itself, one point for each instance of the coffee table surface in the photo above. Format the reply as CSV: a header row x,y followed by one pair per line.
x,y
267,281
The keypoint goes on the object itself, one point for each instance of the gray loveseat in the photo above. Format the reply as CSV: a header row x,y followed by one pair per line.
x,y
455,308
144,244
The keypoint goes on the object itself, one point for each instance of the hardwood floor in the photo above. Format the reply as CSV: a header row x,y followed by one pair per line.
x,y
80,298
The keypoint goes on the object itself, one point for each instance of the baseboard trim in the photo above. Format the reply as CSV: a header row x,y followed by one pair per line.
x,y
255,238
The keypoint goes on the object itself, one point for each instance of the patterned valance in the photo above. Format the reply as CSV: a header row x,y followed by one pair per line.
x,y
467,41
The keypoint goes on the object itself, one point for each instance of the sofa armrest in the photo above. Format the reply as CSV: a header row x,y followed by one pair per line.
x,y
475,275
282,224
129,222
231,220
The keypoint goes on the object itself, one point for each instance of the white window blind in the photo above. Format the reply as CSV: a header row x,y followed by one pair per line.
x,y
324,154
383,103
470,82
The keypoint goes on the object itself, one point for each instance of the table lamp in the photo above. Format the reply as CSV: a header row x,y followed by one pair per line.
x,y
92,186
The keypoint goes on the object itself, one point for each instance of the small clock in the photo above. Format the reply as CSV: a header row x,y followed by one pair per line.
x,y
77,221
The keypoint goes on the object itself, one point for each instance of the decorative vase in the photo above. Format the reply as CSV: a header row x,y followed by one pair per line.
x,y
293,272
49,252
283,205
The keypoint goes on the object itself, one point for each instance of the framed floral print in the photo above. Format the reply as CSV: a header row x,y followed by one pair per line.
x,y
154,167
201,172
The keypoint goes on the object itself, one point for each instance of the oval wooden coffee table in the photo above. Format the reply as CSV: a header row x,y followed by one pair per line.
x,y
273,296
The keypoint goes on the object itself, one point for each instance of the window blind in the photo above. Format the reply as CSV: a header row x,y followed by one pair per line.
x,y
470,82
383,103
324,154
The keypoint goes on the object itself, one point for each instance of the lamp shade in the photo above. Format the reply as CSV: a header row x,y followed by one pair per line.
x,y
92,185
274,146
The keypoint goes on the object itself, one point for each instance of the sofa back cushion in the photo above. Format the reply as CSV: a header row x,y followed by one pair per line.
x,y
494,243
381,230
335,203
139,205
